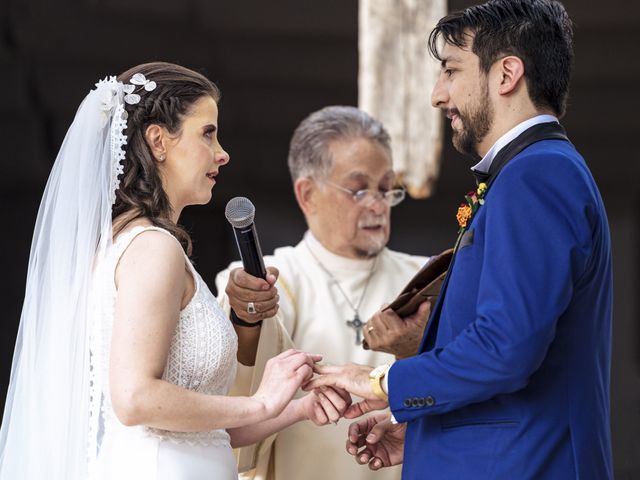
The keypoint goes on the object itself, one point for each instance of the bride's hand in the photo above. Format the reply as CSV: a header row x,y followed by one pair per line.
x,y
325,404
283,375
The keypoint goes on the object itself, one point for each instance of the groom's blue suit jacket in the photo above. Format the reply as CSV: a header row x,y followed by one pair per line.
x,y
512,377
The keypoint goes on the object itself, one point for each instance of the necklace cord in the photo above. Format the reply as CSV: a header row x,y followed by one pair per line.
x,y
335,280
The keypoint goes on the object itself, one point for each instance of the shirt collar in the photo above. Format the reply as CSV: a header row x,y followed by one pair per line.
x,y
484,164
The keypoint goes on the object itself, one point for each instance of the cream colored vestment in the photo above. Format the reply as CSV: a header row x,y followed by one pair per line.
x,y
312,317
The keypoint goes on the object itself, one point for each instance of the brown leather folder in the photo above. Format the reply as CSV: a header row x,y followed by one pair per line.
x,y
425,285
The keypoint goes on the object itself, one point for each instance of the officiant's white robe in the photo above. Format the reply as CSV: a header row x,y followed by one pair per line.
x,y
312,317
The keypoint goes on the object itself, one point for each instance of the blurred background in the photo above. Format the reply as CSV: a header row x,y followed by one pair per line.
x,y
276,62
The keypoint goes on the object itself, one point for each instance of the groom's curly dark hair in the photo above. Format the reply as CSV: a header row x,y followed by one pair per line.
x,y
539,32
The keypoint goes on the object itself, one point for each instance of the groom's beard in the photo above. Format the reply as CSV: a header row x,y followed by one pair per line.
x,y
476,123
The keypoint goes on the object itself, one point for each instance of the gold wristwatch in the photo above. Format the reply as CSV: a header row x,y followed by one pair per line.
x,y
375,379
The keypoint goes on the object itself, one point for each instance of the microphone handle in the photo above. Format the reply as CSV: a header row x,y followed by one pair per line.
x,y
250,251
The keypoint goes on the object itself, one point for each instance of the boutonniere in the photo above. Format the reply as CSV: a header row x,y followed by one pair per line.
x,y
467,209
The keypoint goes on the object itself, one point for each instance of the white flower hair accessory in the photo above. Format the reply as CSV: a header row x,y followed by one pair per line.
x,y
109,90
112,114
113,95
140,80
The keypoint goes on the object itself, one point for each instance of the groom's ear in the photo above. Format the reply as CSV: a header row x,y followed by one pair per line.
x,y
511,70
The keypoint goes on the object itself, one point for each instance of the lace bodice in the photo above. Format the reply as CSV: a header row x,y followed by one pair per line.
x,y
202,356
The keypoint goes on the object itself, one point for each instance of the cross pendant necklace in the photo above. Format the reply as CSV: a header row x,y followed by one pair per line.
x,y
356,323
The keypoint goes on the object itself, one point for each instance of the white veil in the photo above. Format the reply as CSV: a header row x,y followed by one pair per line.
x,y
46,424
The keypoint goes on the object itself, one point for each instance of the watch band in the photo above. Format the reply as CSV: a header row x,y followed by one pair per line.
x,y
241,323
375,379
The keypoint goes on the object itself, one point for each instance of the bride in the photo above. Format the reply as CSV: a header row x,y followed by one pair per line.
x,y
123,359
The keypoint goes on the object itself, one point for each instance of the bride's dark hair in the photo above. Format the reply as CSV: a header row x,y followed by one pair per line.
x,y
141,193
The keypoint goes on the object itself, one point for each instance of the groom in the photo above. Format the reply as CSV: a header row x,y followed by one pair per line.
x,y
512,378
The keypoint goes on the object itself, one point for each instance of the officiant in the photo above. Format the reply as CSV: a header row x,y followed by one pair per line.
x,y
328,285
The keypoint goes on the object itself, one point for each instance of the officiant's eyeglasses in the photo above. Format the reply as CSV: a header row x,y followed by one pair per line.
x,y
366,197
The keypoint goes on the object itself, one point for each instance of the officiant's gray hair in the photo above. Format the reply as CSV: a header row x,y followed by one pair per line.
x,y
309,154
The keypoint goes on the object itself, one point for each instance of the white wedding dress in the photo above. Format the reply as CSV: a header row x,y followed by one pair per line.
x,y
202,358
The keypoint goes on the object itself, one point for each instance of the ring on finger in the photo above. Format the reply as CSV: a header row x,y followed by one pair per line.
x,y
251,308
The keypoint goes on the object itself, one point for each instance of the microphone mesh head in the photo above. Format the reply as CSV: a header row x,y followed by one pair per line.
x,y
240,212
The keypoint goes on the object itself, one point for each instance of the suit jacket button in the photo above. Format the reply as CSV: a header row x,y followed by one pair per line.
x,y
429,401
414,402
421,402
407,402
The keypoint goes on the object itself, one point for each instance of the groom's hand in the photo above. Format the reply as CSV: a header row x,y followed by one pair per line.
x,y
354,379
376,441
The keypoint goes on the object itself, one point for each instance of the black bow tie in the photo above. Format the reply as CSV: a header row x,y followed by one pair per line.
x,y
480,176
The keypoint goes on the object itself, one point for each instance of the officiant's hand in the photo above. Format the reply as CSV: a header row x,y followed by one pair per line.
x,y
376,441
354,379
243,288
387,332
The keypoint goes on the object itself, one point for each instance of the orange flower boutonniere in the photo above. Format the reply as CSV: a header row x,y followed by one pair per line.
x,y
467,209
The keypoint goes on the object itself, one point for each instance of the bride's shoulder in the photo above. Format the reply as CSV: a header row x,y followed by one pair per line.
x,y
123,226
150,252
151,241
142,232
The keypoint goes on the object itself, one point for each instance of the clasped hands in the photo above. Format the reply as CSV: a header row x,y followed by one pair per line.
x,y
374,440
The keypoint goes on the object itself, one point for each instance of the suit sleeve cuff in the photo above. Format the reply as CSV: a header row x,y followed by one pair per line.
x,y
406,401
385,387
